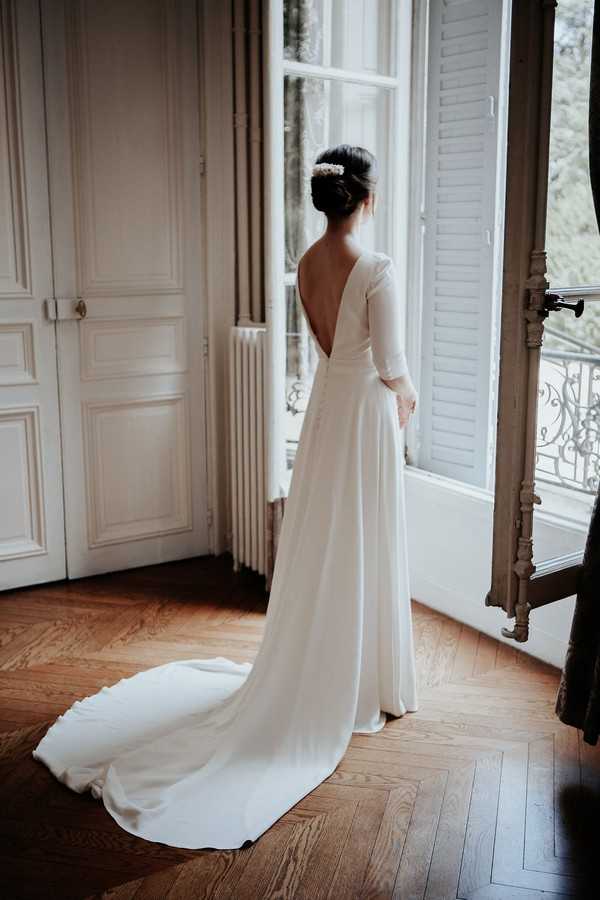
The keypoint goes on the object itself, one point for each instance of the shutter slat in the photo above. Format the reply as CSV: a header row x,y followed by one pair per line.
x,y
458,459
453,440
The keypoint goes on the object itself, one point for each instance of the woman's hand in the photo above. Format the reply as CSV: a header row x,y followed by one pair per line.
x,y
406,399
407,403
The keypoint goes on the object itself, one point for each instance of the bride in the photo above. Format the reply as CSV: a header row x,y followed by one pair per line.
x,y
210,753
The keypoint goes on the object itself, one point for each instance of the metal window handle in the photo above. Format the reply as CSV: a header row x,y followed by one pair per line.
x,y
81,308
554,302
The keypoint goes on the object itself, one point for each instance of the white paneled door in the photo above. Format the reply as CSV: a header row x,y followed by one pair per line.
x,y
124,312
32,539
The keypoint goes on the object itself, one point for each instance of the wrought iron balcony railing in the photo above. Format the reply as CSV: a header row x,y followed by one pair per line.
x,y
568,439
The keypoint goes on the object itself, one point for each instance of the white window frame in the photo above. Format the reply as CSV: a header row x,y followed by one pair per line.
x,y
276,68
449,530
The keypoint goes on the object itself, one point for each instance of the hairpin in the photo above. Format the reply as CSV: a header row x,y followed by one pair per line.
x,y
327,169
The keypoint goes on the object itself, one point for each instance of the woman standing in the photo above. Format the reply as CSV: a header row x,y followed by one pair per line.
x,y
210,753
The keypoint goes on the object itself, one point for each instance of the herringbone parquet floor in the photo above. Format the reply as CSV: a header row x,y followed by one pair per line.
x,y
482,793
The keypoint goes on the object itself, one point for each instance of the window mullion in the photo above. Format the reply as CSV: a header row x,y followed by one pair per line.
x,y
308,70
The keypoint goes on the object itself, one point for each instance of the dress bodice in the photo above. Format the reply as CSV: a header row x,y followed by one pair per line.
x,y
368,331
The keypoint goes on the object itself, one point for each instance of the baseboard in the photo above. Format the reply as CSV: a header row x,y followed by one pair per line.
x,y
489,620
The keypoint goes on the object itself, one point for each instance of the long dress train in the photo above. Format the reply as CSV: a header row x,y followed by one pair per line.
x,y
210,753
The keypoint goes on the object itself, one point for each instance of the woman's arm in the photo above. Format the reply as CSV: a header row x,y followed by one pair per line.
x,y
385,326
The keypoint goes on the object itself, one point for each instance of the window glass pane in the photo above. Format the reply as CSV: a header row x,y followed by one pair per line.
x,y
568,410
567,473
303,27
319,113
572,239
346,34
301,361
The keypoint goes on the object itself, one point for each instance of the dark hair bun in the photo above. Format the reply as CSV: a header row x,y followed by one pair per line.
x,y
339,195
331,195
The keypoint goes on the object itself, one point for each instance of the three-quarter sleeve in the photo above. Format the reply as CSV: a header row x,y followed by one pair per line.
x,y
385,321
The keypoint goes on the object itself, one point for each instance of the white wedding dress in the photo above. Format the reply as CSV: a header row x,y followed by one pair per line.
x,y
209,752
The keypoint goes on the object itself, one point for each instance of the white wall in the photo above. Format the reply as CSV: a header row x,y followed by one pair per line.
x,y
450,568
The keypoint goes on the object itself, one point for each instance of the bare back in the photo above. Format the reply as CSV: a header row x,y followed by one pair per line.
x,y
322,275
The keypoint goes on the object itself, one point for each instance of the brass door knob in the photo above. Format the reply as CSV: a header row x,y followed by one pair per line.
x,y
81,308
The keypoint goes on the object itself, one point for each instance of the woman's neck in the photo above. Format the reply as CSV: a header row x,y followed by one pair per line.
x,y
345,232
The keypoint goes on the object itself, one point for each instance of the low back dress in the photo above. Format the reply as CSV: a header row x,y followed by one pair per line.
x,y
209,752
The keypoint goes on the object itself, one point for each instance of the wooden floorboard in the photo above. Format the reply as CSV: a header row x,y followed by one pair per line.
x,y
482,794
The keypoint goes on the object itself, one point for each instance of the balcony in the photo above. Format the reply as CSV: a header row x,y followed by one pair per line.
x,y
568,425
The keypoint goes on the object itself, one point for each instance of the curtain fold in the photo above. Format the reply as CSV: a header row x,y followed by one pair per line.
x,y
578,697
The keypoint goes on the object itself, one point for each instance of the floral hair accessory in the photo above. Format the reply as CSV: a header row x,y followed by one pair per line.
x,y
327,169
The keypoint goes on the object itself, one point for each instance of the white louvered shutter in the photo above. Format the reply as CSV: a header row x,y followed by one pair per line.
x,y
460,233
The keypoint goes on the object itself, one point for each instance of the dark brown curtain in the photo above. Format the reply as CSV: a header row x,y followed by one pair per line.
x,y
578,698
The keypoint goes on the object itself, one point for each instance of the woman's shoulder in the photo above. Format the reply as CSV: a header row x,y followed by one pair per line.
x,y
378,262
317,256
381,264
381,257
382,271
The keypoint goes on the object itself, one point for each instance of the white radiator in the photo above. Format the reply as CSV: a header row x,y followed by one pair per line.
x,y
248,446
